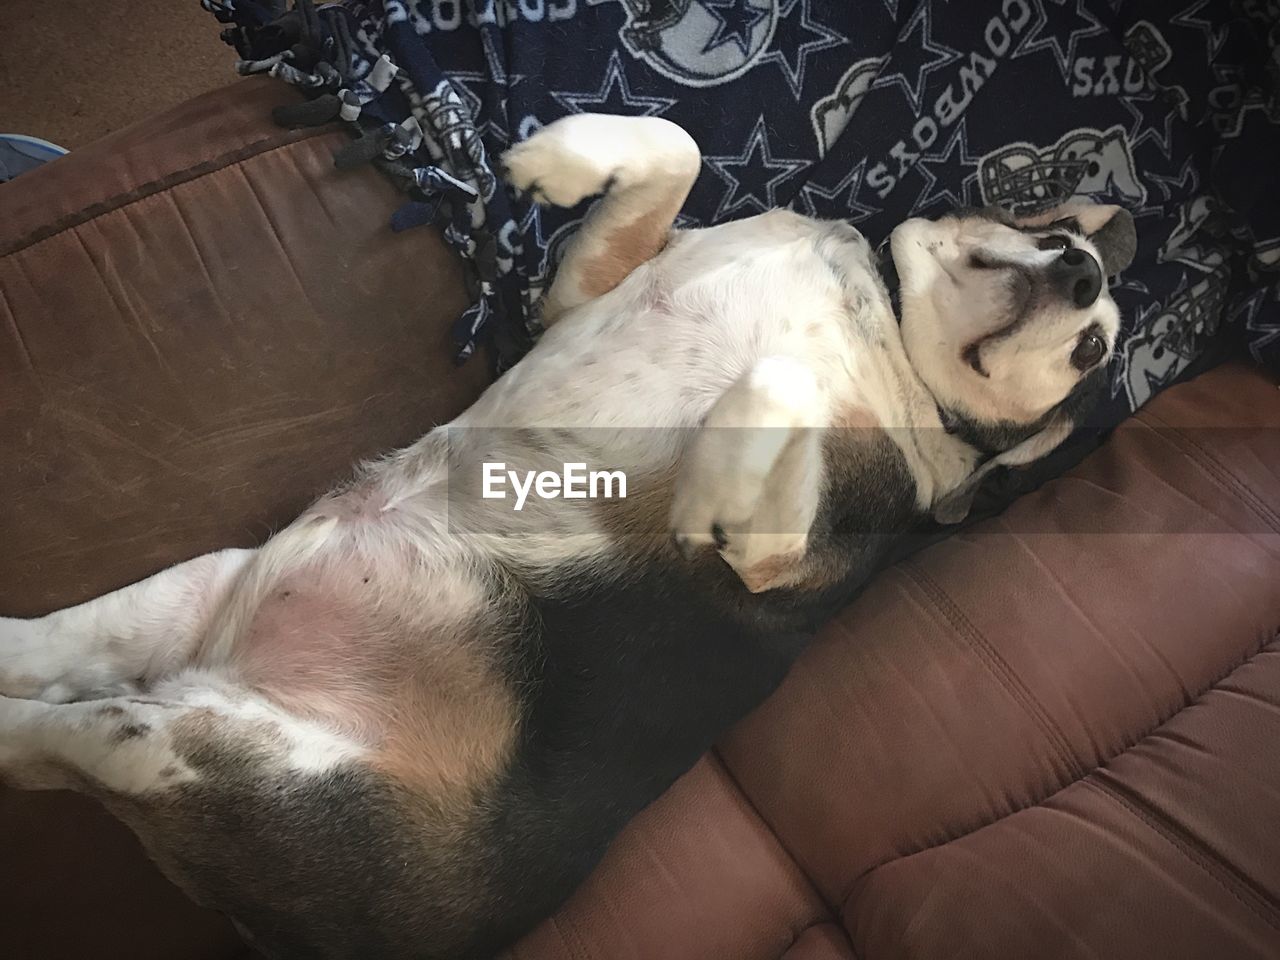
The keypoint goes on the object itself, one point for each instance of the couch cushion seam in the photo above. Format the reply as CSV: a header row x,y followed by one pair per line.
x,y
1207,861
1250,655
93,211
829,922
1217,472
831,916
995,664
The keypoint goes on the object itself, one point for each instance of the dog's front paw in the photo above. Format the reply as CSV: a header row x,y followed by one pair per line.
x,y
761,560
733,514
586,154
695,527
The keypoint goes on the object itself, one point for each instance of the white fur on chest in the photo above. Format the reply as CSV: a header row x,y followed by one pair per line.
x,y
657,351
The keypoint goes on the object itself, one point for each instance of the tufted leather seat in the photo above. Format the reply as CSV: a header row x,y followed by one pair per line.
x,y
1053,735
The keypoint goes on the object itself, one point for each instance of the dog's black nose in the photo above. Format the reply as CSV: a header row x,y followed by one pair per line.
x,y
1076,276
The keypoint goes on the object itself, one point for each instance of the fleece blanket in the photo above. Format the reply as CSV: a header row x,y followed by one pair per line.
x,y
866,110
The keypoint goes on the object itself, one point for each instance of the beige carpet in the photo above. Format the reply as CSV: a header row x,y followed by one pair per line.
x,y
74,70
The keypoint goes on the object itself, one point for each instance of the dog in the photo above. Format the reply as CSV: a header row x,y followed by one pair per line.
x,y
410,723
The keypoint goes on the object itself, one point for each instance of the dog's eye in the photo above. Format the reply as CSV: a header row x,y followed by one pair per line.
x,y
1089,351
1054,241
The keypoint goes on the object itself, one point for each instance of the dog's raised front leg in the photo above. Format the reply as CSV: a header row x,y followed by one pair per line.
x,y
109,645
752,476
644,166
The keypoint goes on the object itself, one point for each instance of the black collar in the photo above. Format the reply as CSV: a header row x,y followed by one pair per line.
x,y
889,276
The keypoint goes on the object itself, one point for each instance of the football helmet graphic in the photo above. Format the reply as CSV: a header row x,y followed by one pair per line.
x,y
1028,179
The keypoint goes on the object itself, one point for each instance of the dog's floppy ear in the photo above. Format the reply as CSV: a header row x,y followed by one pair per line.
x,y
955,506
1109,228
1059,424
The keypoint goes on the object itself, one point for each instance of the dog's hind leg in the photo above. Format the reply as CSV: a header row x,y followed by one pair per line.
x,y
644,167
129,746
751,479
119,641
121,745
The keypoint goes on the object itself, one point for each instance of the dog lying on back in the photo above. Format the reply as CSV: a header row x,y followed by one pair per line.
x,y
410,723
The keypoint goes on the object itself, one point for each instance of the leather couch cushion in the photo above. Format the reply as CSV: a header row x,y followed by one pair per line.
x,y
188,362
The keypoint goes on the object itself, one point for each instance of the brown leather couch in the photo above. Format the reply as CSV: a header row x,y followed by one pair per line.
x,y
1054,735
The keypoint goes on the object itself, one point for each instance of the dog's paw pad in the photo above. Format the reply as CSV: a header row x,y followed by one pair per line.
x,y
586,154
557,166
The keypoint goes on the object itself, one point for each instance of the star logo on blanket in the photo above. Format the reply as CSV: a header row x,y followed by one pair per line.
x,y
488,103
1142,130
553,250
614,95
698,43
838,202
1187,181
737,172
1058,20
1214,37
917,60
954,168
530,226
495,57
734,22
794,20
488,93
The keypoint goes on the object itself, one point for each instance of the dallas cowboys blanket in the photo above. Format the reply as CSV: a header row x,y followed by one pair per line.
x,y
867,110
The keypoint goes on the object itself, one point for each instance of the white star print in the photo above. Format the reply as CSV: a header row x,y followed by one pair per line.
x,y
922,22
490,124
1032,42
736,197
1214,38
843,193
471,86
614,92
826,39
1138,135
928,196
1187,181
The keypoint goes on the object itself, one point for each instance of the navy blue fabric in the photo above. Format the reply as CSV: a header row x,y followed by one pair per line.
x,y
871,111
20,154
